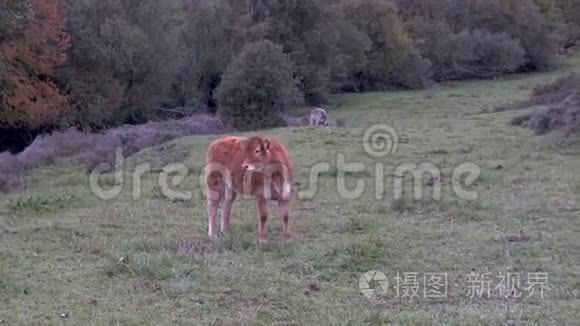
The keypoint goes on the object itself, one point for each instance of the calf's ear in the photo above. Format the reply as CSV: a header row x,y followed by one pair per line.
x,y
266,143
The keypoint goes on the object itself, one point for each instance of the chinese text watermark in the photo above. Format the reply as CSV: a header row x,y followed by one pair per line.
x,y
376,285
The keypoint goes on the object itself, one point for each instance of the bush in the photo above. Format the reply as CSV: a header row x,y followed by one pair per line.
x,y
569,10
377,22
10,168
559,107
538,35
523,20
545,120
475,54
209,39
557,91
441,27
13,17
561,90
413,72
306,30
9,182
69,145
257,87
122,60
89,150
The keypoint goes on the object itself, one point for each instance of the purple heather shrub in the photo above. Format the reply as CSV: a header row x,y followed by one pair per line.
x,y
90,150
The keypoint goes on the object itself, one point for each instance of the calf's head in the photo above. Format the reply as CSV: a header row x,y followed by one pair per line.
x,y
256,154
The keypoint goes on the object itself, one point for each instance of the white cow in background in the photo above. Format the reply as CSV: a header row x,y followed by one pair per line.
x,y
318,118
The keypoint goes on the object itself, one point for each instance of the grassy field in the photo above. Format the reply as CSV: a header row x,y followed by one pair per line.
x,y
68,257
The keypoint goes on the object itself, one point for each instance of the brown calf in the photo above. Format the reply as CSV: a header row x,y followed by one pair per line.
x,y
257,166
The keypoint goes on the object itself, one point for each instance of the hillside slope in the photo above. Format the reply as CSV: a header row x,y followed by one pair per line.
x,y
67,256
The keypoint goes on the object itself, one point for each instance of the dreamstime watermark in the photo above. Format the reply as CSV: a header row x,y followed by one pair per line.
x,y
379,141
375,285
170,176
345,171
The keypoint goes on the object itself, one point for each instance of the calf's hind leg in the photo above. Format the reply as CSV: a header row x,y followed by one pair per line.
x,y
263,215
284,208
227,204
212,208
215,194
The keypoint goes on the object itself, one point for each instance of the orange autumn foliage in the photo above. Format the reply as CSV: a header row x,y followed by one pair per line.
x,y
29,97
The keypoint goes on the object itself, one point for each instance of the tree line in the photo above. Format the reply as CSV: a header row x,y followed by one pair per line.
x,y
101,63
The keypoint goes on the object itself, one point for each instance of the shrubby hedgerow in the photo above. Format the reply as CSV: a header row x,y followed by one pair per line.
x,y
72,146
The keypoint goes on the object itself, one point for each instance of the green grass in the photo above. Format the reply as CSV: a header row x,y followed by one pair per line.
x,y
67,257
40,204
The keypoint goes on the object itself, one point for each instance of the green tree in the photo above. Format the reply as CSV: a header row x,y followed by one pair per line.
x,y
122,60
258,86
390,46
306,30
210,36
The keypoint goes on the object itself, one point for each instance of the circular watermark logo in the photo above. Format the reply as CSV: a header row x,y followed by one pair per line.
x,y
373,284
380,141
